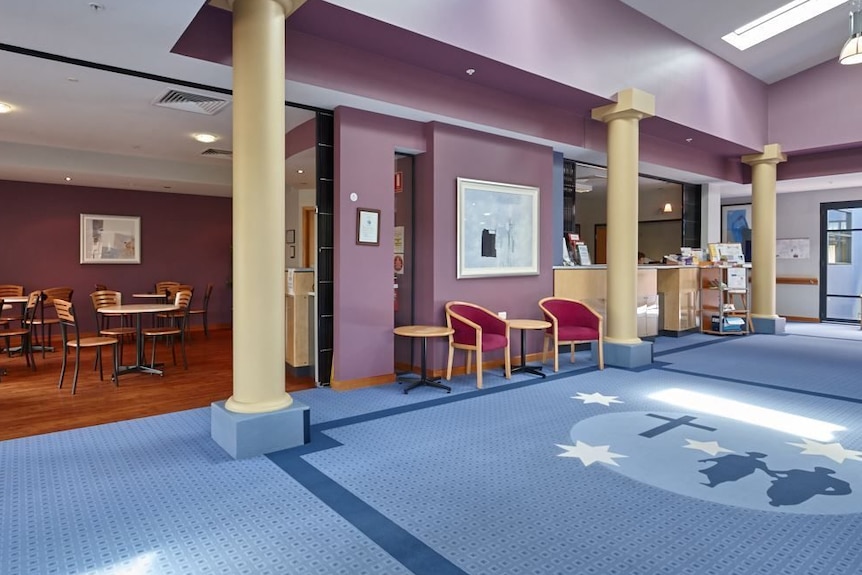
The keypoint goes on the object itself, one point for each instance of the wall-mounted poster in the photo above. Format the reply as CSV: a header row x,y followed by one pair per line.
x,y
110,239
497,229
736,227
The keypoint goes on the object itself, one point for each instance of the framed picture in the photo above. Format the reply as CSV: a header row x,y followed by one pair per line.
x,y
498,229
367,227
736,226
110,239
290,236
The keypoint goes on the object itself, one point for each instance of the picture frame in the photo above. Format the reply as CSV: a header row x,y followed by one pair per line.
x,y
290,236
736,226
367,227
497,229
110,239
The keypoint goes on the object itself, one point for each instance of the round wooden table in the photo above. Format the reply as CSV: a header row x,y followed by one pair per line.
x,y
424,332
524,325
138,309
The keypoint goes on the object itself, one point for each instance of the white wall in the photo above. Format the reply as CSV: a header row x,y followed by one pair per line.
x,y
798,216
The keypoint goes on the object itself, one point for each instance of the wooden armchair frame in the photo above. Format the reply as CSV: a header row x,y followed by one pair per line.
x,y
480,340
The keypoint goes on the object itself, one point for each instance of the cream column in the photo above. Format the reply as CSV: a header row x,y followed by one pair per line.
x,y
764,169
623,120
258,205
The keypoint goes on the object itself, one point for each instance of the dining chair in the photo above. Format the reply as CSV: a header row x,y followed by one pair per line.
x,y
202,312
476,329
167,289
175,329
103,298
572,322
23,331
71,335
11,290
41,320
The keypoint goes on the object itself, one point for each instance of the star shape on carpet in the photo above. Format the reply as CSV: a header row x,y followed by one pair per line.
x,y
710,447
834,451
596,397
589,454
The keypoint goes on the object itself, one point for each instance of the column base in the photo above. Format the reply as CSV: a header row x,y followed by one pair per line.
x,y
627,355
245,435
769,325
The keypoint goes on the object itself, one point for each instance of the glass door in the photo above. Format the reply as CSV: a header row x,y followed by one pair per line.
x,y
841,261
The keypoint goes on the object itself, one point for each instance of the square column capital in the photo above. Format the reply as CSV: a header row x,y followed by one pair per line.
x,y
631,103
771,155
289,6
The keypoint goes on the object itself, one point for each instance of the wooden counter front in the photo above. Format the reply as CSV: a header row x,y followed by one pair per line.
x,y
589,285
680,291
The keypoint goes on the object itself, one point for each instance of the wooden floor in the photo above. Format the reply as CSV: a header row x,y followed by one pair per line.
x,y
31,404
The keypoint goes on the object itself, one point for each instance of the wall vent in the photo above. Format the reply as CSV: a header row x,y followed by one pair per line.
x,y
188,102
215,153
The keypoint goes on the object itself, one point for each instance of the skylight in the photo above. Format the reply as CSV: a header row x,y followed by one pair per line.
x,y
778,21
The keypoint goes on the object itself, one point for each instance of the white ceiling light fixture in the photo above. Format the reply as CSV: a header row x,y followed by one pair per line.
x,y
5,108
667,209
779,20
851,53
205,138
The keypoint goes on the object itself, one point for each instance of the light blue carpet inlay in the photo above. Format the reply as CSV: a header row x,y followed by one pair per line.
x,y
524,477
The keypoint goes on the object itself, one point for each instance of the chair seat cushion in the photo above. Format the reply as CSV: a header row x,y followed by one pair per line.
x,y
576,333
492,341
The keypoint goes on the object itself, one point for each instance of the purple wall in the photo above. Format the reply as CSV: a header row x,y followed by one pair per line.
x,y
184,238
598,47
468,154
816,109
365,144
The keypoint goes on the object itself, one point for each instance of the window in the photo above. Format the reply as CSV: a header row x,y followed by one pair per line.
x,y
839,237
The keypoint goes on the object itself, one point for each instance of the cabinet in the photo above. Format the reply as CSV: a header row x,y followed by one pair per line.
x,y
724,297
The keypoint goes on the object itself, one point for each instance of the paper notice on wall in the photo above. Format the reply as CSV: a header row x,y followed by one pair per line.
x,y
399,239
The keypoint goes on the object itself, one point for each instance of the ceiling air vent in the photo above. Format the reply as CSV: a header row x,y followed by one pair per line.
x,y
214,153
186,101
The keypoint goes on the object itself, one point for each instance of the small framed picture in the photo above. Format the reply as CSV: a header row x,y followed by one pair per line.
x,y
290,236
367,227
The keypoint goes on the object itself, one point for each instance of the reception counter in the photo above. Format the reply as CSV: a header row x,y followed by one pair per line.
x,y
666,295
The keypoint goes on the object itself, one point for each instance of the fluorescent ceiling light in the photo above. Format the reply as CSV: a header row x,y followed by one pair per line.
x,y
5,108
753,414
205,138
779,20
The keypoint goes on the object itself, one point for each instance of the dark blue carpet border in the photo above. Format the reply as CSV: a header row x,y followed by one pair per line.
x,y
405,548
766,385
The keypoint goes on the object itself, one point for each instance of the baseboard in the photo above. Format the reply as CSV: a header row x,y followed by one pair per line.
x,y
802,319
348,384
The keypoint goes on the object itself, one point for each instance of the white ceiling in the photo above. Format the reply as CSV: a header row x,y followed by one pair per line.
x,y
99,127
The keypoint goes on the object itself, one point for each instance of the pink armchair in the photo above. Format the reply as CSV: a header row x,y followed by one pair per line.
x,y
571,322
476,329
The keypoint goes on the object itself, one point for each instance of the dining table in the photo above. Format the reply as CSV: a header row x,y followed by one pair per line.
x,y
8,302
138,310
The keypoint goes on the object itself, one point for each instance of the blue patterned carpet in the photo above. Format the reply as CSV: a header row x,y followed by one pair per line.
x,y
585,472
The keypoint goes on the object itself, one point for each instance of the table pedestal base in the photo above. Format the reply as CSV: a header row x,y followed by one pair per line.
x,y
534,369
425,381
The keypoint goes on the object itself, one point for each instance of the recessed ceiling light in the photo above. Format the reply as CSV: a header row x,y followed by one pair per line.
x,y
68,178
205,138
300,171
689,140
470,71
5,108
779,20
